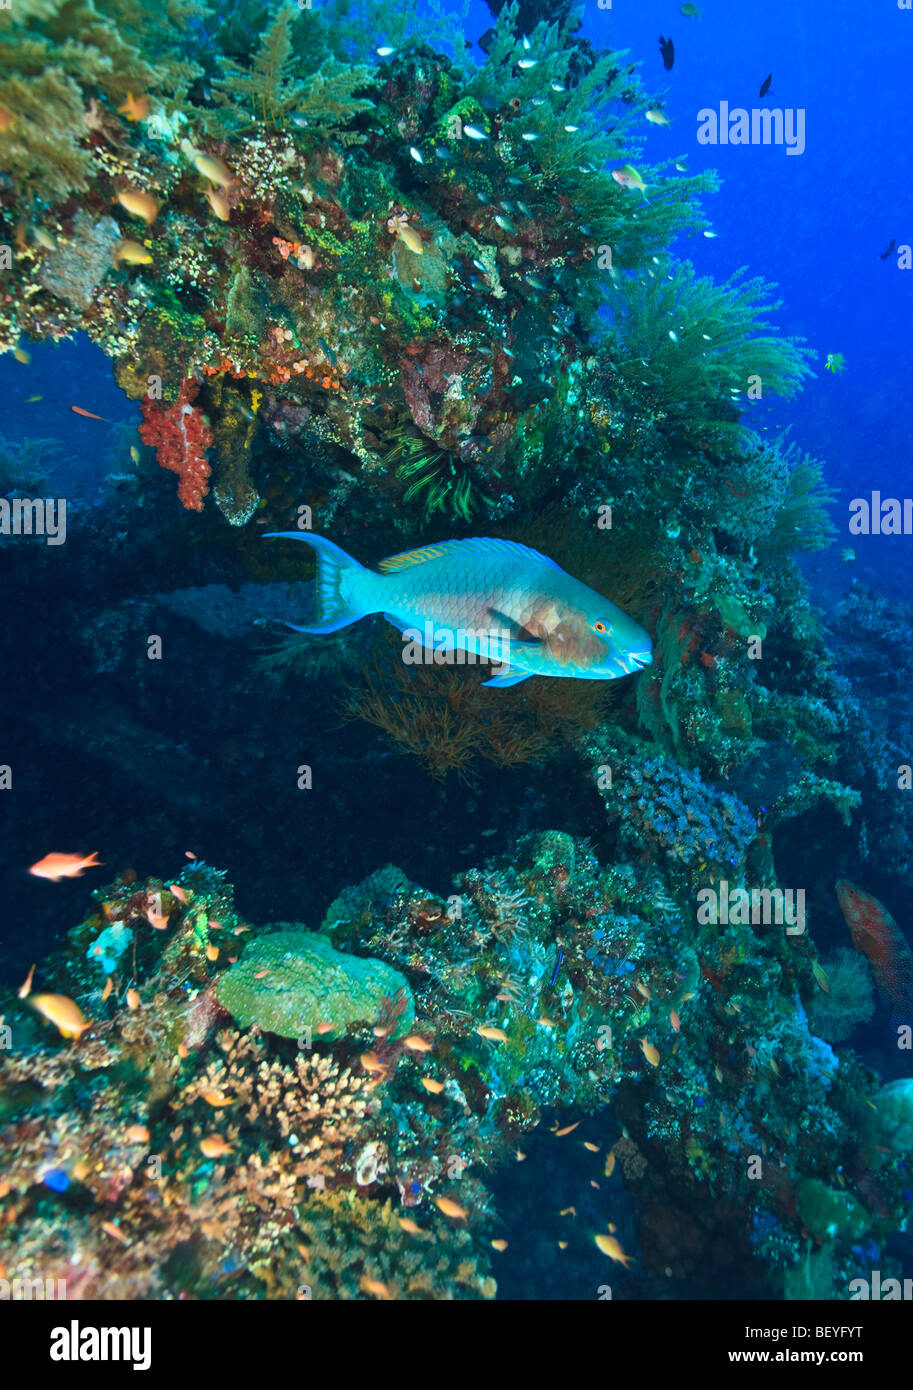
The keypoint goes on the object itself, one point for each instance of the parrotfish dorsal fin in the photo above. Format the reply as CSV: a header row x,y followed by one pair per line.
x,y
413,557
483,545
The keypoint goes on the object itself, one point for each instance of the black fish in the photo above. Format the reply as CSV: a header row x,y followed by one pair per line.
x,y
886,253
667,49
765,85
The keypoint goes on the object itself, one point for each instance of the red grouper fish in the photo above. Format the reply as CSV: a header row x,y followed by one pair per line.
x,y
877,936
496,599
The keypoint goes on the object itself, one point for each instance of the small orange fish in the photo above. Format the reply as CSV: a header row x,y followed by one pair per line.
x,y
58,866
240,930
135,108
137,1134
177,891
64,1013
435,1087
260,974
499,1245
409,1225
416,1043
214,925
22,356
25,988
182,1050
212,952
650,1052
546,1023
568,1129
450,1208
133,253
820,975
215,1098
593,1148
521,1156
209,165
214,1146
675,1020
325,1028
133,999
493,1034
375,1287
189,854
90,415
110,1228
609,1168
138,204
643,990
371,1062
219,203
108,989
609,1246
569,1211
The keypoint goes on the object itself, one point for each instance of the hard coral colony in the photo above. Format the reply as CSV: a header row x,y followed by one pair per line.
x,y
364,284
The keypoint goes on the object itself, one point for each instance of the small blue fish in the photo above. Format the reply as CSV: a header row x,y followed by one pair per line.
x,y
496,599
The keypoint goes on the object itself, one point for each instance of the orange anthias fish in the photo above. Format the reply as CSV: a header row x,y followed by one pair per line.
x,y
58,866
499,600
64,1013
135,108
610,1246
78,410
878,937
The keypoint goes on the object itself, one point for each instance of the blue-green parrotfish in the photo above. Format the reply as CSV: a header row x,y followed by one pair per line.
x,y
496,599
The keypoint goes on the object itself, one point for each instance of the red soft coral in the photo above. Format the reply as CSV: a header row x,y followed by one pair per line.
x,y
180,435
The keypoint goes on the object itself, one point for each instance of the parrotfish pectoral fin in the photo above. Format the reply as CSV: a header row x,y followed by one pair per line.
x,y
516,631
332,564
509,678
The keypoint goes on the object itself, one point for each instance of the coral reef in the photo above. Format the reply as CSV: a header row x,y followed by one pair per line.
x,y
192,1150
290,983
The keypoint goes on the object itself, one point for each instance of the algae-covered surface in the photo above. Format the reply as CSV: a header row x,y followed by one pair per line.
x,y
293,982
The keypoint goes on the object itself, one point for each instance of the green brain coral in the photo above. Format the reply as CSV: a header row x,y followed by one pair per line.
x,y
309,982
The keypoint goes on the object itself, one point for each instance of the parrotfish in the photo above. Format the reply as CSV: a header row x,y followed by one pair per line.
x,y
496,599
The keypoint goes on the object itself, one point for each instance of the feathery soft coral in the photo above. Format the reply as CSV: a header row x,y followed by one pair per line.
x,y
180,435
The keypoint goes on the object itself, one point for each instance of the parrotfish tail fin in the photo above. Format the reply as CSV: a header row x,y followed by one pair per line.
x,y
332,563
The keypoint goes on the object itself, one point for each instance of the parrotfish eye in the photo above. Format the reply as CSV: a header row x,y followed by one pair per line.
x,y
600,626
